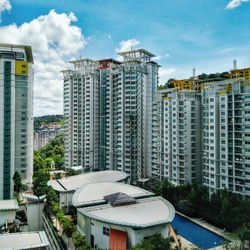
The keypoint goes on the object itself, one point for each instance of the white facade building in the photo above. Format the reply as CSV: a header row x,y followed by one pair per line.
x,y
226,135
81,112
177,136
42,137
119,216
8,210
67,186
16,116
108,111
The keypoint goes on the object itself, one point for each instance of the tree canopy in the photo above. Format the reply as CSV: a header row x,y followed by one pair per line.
x,y
223,208
155,242
17,182
52,152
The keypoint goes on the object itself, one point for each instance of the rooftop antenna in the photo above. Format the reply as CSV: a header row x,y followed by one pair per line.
x,y
194,73
234,64
194,76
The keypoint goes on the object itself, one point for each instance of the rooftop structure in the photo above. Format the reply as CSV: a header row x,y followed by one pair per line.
x,y
144,213
137,54
13,47
27,240
8,205
119,199
8,210
95,193
73,182
238,73
85,65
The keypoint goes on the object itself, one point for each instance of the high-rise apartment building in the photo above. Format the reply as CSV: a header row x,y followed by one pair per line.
x,y
81,112
16,116
177,136
226,135
108,111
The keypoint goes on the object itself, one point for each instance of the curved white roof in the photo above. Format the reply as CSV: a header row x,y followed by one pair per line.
x,y
73,182
92,194
145,213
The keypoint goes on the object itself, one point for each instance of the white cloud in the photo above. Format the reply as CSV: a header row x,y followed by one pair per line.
x,y
4,5
165,73
157,58
235,3
127,45
54,42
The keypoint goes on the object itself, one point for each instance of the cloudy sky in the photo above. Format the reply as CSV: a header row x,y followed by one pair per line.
x,y
205,34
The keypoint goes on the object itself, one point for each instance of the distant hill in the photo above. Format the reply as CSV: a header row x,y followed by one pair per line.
x,y
47,119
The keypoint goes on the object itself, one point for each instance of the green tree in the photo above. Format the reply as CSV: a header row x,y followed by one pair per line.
x,y
38,162
17,182
52,196
40,179
155,242
80,242
244,236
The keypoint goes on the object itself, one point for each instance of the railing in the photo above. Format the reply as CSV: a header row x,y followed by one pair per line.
x,y
59,240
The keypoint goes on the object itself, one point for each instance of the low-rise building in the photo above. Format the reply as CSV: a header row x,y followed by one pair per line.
x,y
57,174
8,210
114,215
42,137
29,240
94,193
124,221
67,186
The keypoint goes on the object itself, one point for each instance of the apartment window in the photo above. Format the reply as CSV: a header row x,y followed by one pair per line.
x,y
105,231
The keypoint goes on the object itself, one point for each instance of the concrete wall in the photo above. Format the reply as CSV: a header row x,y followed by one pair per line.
x,y
34,213
88,227
65,198
7,215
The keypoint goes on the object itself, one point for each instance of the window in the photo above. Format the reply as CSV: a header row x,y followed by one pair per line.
x,y
105,231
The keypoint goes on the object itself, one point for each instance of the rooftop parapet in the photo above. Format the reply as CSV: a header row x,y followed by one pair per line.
x,y
137,54
15,48
85,65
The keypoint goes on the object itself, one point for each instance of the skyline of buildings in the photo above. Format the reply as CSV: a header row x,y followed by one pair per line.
x,y
116,118
16,116
183,133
